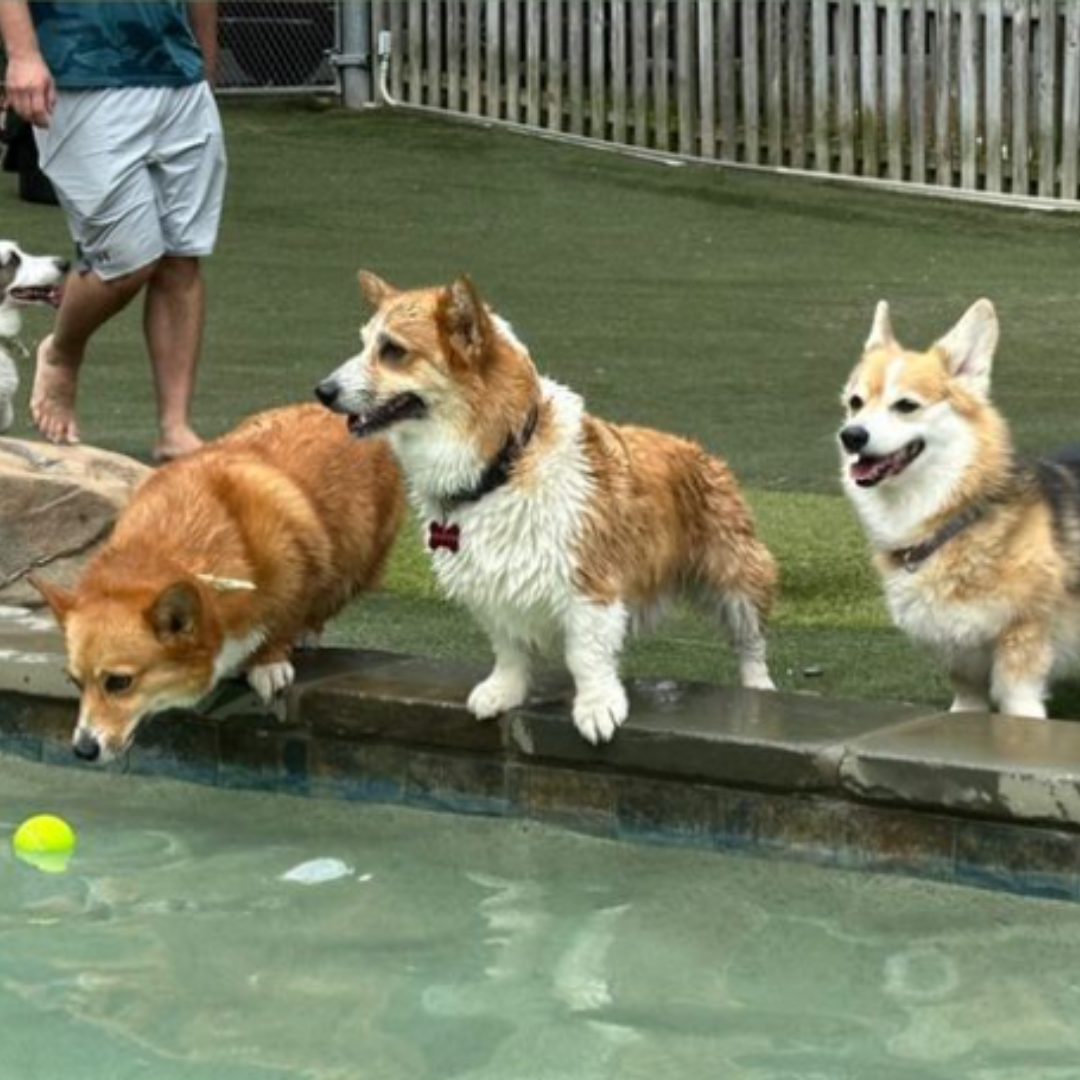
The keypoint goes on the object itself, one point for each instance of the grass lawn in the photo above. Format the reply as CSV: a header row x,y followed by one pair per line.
x,y
725,306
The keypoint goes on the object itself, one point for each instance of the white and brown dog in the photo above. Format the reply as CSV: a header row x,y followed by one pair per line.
x,y
25,280
550,525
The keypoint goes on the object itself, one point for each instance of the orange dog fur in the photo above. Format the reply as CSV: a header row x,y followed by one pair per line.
x,y
220,563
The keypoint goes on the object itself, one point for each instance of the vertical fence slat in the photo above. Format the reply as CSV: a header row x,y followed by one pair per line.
x,y
512,58
943,45
707,77
639,29
1047,82
618,72
684,77
819,36
597,70
575,54
1070,107
434,55
774,82
533,59
796,84
1021,95
750,83
868,86
729,127
453,56
995,91
969,97
845,84
894,88
661,68
401,50
917,93
494,59
416,52
555,65
473,92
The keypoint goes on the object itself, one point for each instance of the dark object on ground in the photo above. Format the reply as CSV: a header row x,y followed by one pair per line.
x,y
20,156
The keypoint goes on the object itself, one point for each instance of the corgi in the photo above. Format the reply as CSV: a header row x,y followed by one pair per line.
x,y
979,554
25,280
551,526
221,561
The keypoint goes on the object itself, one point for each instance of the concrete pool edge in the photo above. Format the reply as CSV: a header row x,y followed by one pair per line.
x,y
982,800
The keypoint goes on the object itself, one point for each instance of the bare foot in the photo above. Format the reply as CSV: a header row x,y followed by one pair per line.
x,y
175,443
52,400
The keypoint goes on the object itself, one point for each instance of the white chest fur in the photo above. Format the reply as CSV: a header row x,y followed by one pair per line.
x,y
515,563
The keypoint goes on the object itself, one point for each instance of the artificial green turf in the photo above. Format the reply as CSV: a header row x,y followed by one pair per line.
x,y
722,305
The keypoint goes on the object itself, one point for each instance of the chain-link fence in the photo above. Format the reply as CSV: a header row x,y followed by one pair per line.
x,y
277,45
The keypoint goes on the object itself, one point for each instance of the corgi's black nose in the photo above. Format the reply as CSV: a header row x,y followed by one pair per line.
x,y
327,392
86,746
854,438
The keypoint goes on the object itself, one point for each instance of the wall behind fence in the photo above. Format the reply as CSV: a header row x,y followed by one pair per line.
x,y
978,95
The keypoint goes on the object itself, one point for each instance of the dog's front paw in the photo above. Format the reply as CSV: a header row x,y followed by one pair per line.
x,y
269,680
598,714
495,695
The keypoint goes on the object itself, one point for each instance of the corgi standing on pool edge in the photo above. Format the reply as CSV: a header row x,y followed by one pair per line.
x,y
979,554
553,527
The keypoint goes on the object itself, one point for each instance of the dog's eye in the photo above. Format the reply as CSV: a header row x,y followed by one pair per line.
x,y
855,403
392,352
114,683
906,405
9,257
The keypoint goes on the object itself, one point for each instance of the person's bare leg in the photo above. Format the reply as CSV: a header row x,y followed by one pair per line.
x,y
88,302
174,315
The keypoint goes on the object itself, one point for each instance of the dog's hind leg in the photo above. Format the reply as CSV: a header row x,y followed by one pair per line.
x,y
507,686
744,624
969,673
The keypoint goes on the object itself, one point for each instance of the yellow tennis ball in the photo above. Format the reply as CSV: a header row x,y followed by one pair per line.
x,y
45,841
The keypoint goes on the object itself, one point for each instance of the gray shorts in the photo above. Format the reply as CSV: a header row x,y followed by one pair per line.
x,y
139,171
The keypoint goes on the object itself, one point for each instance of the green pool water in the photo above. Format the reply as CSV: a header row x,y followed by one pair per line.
x,y
179,945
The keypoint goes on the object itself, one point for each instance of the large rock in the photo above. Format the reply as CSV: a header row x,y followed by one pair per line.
x,y
57,504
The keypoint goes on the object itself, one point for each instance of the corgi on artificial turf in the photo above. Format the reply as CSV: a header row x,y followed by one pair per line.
x,y
25,281
980,556
219,564
550,525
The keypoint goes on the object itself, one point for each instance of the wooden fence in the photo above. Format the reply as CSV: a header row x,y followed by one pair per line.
x,y
975,95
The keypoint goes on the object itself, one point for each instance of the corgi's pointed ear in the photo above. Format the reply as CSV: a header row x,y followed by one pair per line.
x,y
464,314
59,600
374,290
969,346
881,333
176,612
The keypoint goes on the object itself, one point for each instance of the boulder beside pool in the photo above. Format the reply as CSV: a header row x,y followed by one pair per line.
x,y
57,504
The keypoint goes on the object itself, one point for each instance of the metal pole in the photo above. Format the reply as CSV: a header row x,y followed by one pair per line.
x,y
355,58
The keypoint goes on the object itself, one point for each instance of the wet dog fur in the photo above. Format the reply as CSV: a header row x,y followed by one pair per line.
x,y
595,527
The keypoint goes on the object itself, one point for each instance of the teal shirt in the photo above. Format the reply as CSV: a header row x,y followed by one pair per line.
x,y
92,46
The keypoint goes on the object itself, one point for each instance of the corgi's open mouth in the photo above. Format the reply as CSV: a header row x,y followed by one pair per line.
x,y
36,294
393,410
869,471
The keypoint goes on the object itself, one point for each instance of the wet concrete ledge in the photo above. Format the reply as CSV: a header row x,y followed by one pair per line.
x,y
983,800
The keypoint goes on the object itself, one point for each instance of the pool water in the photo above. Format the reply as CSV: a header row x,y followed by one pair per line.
x,y
196,935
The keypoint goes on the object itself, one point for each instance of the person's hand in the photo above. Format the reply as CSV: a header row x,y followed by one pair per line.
x,y
31,91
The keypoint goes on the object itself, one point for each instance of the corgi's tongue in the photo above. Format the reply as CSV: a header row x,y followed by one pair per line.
x,y
867,470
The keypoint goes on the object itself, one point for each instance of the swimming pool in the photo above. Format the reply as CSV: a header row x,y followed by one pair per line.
x,y
183,942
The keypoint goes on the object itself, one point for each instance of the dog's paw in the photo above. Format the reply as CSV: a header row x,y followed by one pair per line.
x,y
599,714
269,680
495,695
